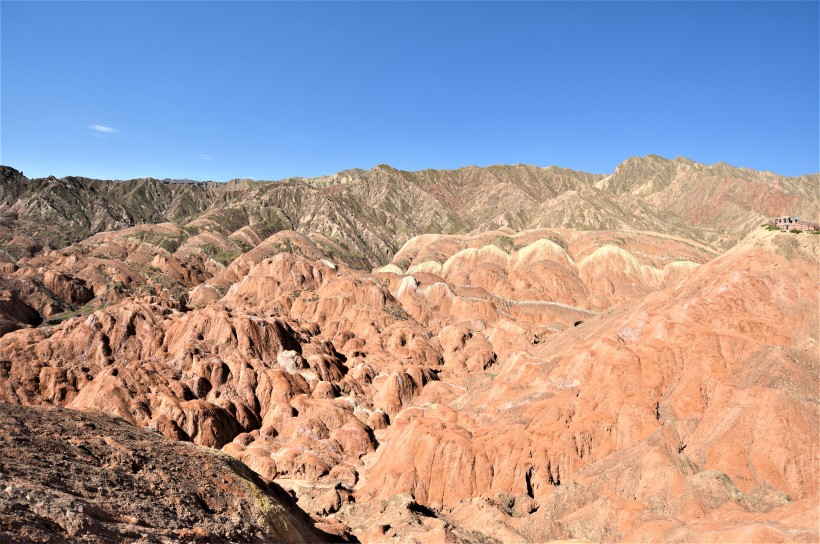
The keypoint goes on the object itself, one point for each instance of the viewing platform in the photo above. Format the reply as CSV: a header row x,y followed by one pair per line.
x,y
793,223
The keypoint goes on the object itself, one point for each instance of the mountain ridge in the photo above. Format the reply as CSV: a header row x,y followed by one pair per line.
x,y
357,170
540,346
371,213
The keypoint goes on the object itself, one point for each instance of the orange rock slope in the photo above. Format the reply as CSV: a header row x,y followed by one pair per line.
x,y
526,386
689,415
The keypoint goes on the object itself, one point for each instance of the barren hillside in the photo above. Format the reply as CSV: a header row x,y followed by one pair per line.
x,y
368,215
537,354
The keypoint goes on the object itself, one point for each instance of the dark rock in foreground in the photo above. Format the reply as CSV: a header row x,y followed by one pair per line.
x,y
68,476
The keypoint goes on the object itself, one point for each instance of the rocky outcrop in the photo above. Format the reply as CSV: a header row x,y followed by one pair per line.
x,y
525,386
286,372
646,412
86,477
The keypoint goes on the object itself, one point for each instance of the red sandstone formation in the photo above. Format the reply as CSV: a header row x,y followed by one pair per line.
x,y
526,386
697,402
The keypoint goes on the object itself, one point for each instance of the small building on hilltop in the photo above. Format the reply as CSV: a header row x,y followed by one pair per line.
x,y
793,223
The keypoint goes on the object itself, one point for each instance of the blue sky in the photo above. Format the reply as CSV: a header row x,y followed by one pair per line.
x,y
220,90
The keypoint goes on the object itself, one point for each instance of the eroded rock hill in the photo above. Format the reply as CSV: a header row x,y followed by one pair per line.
x,y
688,416
510,386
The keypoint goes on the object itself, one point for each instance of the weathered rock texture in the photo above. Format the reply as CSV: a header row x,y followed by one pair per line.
x,y
71,476
510,384
699,402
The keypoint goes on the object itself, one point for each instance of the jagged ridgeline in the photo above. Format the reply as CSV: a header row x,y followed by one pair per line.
x,y
362,217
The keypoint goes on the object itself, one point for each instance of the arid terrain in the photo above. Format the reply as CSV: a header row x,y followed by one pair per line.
x,y
500,354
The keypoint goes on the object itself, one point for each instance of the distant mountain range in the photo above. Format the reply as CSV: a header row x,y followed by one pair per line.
x,y
367,215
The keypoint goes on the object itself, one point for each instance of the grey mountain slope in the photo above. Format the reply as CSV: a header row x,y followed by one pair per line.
x,y
371,213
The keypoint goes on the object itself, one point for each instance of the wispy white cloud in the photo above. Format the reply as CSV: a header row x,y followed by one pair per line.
x,y
103,129
204,157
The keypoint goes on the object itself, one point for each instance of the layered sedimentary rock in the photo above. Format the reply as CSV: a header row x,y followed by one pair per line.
x,y
697,403
502,382
657,391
